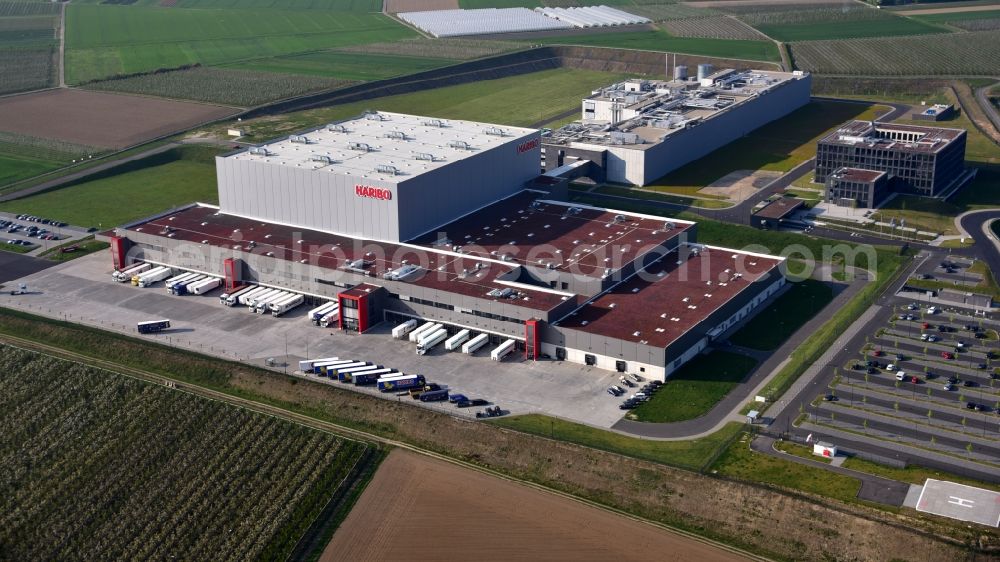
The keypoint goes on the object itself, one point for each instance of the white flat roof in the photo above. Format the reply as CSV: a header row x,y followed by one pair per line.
x,y
410,144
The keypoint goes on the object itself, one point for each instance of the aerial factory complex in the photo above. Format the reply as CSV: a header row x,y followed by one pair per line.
x,y
397,217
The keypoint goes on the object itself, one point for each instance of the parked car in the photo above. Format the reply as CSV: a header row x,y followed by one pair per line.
x,y
872,370
947,355
969,383
899,357
830,398
948,386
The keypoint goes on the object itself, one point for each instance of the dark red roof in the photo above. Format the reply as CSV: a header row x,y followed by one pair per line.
x,y
668,299
443,271
585,240
780,208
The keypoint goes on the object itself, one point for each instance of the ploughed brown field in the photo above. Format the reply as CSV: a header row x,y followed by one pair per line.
x,y
101,119
418,508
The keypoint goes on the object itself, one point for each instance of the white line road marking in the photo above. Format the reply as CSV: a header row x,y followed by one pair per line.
x,y
961,502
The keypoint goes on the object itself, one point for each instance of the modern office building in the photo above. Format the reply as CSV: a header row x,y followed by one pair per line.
x,y
854,187
926,161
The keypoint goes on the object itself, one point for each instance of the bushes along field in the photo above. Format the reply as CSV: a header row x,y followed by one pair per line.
x,y
447,48
101,466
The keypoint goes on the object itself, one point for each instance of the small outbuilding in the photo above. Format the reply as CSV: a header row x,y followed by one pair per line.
x,y
822,449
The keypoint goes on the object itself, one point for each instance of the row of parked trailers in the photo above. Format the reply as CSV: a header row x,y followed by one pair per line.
x,y
362,373
262,300
431,334
182,283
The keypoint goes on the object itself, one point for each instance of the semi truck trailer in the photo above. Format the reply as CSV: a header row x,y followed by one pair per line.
x,y
284,305
434,396
126,274
331,318
427,328
456,341
169,283
399,332
244,298
404,382
153,276
261,301
184,287
503,350
320,367
316,314
429,342
475,343
229,298
306,366
204,286
347,375
264,305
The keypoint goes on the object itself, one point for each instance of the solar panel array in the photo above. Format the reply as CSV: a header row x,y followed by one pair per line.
x,y
453,23
592,16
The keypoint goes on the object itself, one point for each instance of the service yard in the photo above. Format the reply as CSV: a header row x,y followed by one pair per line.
x,y
927,378
101,119
453,513
82,291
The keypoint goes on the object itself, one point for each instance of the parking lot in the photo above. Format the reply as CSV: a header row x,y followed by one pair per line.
x,y
82,291
927,378
37,233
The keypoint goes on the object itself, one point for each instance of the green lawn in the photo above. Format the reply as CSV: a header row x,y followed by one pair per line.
x,y
778,146
517,100
913,474
696,387
662,41
15,168
104,40
881,27
770,328
693,454
84,247
130,191
741,463
346,66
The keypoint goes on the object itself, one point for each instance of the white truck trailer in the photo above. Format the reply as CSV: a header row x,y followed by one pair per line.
x,y
229,299
264,303
320,367
456,341
331,318
320,311
245,298
428,342
475,343
126,274
169,283
257,299
204,286
399,332
420,332
284,305
306,366
503,350
154,276
184,287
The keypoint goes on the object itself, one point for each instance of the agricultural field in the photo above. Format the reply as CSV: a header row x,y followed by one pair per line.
x,y
804,22
665,12
27,46
342,66
660,40
101,119
985,24
139,188
446,48
104,41
12,8
481,512
337,5
102,466
23,156
959,19
244,88
717,27
973,54
522,100
26,68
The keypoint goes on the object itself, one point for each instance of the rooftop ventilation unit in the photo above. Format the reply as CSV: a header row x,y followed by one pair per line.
x,y
495,131
619,218
300,139
336,128
259,151
460,145
323,158
506,293
401,273
424,156
358,265
387,169
434,123
375,116
360,146
398,135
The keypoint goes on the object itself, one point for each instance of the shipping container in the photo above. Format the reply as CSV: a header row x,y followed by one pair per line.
x,y
475,343
456,341
399,332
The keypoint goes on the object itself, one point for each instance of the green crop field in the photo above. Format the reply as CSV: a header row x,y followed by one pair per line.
x,y
662,41
139,189
16,168
883,27
522,100
696,387
23,157
105,467
952,17
105,41
345,66
244,88
331,5
27,8
27,47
